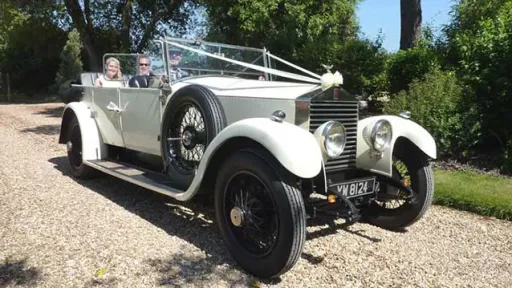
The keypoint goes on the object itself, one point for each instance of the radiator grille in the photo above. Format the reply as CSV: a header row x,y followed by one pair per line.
x,y
347,113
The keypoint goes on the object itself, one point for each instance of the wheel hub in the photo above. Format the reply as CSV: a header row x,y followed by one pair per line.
x,y
237,216
187,138
69,146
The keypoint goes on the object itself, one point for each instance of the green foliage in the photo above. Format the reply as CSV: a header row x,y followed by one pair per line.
x,y
363,66
31,56
479,46
434,104
10,19
407,65
482,194
70,62
308,32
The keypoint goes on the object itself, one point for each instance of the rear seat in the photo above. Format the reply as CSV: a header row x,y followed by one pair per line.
x,y
89,78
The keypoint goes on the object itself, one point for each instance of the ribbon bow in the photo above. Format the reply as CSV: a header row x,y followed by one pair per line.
x,y
329,79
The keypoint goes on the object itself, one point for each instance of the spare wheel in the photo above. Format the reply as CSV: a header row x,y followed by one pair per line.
x,y
194,116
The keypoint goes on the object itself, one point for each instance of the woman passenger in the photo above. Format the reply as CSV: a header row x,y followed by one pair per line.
x,y
112,76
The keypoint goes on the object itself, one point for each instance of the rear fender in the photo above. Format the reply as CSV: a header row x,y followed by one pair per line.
x,y
93,147
405,128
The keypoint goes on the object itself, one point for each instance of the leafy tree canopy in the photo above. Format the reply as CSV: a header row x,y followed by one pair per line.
x,y
307,32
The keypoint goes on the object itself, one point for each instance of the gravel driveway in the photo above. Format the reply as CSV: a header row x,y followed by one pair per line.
x,y
59,232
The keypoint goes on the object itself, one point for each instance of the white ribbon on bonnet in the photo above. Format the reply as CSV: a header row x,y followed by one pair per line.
x,y
329,79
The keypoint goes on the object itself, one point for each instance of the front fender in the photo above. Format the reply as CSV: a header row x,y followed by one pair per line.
x,y
401,128
93,147
295,148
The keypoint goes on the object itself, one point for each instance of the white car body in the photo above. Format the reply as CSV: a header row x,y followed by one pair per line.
x,y
132,118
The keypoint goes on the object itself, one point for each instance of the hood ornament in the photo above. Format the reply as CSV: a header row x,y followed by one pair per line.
x,y
327,67
329,79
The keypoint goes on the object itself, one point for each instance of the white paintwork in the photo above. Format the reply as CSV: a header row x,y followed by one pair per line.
x,y
108,121
141,119
239,108
93,147
401,128
295,148
238,87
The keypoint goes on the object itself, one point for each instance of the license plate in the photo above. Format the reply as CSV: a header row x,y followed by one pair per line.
x,y
355,188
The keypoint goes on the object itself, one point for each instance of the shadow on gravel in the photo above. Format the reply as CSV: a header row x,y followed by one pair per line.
x,y
52,112
193,222
334,228
43,129
15,273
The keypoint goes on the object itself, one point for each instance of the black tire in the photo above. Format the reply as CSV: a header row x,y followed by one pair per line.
x,y
408,164
284,214
177,156
78,168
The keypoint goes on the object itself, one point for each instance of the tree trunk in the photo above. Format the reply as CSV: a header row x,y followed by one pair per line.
x,y
410,22
126,26
77,15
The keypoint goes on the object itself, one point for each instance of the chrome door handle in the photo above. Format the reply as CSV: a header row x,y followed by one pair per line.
x,y
113,107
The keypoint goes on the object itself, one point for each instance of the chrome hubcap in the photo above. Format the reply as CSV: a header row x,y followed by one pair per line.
x,y
187,138
237,216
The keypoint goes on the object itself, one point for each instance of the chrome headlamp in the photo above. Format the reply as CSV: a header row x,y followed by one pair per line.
x,y
332,138
378,135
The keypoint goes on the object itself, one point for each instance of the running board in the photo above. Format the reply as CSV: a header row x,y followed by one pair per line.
x,y
139,176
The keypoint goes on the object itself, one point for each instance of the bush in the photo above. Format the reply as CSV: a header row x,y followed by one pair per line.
x,y
70,62
32,55
408,65
479,46
434,104
363,66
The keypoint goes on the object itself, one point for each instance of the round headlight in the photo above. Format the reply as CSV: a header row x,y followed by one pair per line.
x,y
332,138
335,139
381,135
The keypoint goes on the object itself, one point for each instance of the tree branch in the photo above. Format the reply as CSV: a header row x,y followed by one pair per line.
x,y
74,10
148,32
87,11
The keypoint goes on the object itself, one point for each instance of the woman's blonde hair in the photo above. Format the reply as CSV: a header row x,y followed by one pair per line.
x,y
118,75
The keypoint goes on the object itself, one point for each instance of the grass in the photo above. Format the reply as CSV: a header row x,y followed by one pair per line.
x,y
482,194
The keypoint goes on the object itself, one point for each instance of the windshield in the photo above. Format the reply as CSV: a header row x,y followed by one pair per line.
x,y
185,63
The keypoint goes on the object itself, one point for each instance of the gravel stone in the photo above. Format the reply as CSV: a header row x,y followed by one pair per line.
x,y
56,231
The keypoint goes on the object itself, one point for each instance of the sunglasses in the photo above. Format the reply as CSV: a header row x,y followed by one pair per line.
x,y
143,64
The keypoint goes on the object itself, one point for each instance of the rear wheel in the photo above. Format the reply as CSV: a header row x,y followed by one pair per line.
x,y
260,213
74,149
392,210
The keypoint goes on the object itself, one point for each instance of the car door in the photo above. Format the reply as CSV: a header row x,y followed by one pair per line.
x,y
141,118
108,115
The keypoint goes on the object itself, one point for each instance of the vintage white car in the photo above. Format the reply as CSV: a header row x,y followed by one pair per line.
x,y
275,148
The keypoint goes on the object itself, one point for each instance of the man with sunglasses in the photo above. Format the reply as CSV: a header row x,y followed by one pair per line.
x,y
142,80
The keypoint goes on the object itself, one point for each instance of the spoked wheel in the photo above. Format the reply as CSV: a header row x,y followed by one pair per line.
x,y
195,116
392,210
251,210
187,138
260,213
74,149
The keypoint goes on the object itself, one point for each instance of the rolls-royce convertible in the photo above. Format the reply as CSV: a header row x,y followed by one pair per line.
x,y
272,147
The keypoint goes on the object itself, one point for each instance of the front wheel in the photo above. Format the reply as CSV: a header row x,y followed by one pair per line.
x,y
391,210
260,213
